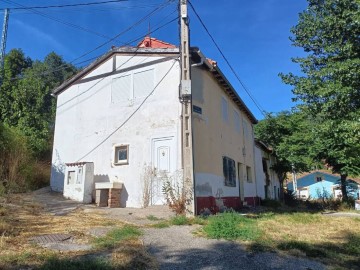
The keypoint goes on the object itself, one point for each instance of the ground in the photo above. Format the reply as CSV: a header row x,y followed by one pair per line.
x,y
76,236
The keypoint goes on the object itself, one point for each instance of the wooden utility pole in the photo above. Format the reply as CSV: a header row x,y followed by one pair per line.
x,y
185,96
3,44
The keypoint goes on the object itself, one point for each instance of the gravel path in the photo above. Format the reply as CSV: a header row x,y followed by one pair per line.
x,y
176,248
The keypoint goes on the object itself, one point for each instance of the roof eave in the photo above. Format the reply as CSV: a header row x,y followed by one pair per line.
x,y
222,80
120,50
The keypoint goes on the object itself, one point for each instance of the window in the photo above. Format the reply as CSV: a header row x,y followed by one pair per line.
x,y
121,89
245,129
71,178
229,172
79,175
121,155
143,83
224,109
319,178
237,121
248,174
132,86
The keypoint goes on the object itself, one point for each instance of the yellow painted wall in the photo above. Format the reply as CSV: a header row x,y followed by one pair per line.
x,y
214,138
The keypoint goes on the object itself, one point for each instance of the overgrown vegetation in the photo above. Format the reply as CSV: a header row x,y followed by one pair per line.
x,y
27,119
178,193
331,240
232,226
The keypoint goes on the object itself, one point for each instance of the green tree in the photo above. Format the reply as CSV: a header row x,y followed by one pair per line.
x,y
290,137
26,101
329,88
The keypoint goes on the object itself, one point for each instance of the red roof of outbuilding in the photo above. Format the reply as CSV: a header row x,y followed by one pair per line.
x,y
149,42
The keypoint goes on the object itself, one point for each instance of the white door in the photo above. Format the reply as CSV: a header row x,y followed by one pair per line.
x,y
164,162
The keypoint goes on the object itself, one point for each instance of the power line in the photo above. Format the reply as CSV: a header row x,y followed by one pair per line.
x,y
69,5
228,63
59,21
66,65
130,116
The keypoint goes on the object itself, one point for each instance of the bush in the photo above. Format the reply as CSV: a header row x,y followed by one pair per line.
x,y
270,203
178,193
290,198
232,226
15,160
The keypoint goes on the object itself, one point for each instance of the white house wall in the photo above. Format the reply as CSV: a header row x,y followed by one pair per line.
x,y
89,125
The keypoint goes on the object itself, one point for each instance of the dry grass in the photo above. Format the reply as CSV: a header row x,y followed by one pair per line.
x,y
21,218
334,241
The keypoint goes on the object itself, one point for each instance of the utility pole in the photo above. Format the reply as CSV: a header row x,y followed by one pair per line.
x,y
185,97
3,44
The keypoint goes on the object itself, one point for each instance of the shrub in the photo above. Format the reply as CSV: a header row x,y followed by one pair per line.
x,y
290,198
178,193
232,226
15,161
270,203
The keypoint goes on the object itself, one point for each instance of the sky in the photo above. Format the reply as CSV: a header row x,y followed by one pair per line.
x,y
253,35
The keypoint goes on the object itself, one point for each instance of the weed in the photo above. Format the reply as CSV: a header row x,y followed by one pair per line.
x,y
304,218
152,218
161,225
180,220
75,264
198,220
232,226
114,237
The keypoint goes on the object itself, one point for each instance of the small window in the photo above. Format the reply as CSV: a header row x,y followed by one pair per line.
x,y
319,178
71,178
248,174
229,172
79,175
224,109
121,155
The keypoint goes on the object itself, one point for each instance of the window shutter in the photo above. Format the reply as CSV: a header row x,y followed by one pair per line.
x,y
121,89
143,83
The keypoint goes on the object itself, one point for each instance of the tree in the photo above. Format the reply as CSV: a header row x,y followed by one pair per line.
x,y
329,88
26,101
290,137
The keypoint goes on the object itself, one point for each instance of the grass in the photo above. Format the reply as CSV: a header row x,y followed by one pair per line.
x,y
153,218
179,220
232,226
116,236
22,218
335,241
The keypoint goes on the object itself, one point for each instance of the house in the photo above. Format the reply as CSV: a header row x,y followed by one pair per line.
x,y
267,182
123,114
321,183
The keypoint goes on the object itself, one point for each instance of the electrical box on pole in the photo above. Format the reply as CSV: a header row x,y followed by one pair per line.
x,y
186,99
3,44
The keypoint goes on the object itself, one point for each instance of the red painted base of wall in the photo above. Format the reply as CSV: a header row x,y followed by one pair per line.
x,y
230,202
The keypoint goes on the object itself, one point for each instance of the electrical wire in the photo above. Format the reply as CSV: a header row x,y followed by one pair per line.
x,y
130,116
263,112
66,65
75,26
69,5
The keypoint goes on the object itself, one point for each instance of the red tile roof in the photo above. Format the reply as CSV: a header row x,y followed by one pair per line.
x,y
149,42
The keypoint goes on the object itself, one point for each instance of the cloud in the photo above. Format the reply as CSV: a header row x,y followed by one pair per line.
x,y
44,37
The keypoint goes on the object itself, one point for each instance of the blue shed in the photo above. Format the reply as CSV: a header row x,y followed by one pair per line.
x,y
319,184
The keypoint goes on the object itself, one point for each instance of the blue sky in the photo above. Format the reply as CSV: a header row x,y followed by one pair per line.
x,y
254,35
